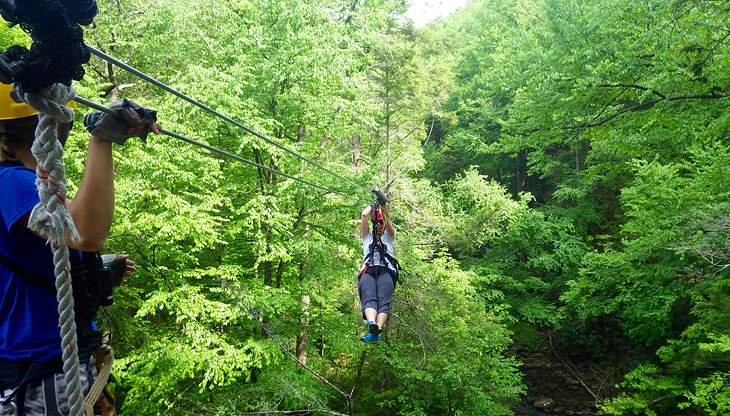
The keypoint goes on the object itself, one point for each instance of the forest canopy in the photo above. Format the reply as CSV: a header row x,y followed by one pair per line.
x,y
559,176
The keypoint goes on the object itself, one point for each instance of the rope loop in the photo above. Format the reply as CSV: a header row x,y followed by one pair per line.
x,y
51,217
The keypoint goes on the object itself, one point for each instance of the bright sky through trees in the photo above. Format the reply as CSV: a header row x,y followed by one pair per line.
x,y
424,11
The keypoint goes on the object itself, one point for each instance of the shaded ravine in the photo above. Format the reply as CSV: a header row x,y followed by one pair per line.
x,y
551,388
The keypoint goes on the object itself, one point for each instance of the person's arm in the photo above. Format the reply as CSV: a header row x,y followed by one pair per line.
x,y
365,221
93,206
388,223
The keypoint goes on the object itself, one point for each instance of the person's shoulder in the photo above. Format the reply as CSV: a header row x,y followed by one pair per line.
x,y
15,171
17,185
14,178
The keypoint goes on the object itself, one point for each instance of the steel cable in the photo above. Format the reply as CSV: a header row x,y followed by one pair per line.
x,y
102,108
196,103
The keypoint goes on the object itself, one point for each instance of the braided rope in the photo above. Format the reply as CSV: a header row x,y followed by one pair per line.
x,y
52,218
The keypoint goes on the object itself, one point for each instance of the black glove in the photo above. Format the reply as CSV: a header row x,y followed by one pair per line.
x,y
382,199
115,128
9,69
116,266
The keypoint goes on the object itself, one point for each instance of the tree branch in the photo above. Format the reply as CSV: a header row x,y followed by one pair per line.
x,y
648,104
634,86
286,351
712,51
295,412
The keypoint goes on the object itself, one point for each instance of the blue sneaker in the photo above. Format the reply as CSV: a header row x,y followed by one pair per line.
x,y
373,328
370,339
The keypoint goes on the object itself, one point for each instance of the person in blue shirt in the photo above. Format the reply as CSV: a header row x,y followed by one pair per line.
x,y
30,343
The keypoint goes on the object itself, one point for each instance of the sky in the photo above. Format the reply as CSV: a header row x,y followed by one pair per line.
x,y
424,11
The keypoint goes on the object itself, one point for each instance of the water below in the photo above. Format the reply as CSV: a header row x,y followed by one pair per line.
x,y
551,388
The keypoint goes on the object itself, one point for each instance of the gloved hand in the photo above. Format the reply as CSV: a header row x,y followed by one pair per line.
x,y
117,267
130,120
120,267
382,199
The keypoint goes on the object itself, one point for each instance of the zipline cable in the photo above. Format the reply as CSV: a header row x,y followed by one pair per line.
x,y
99,107
423,146
196,103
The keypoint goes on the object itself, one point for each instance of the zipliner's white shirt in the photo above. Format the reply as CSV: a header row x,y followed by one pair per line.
x,y
387,240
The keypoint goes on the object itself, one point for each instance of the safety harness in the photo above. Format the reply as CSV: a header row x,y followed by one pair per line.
x,y
382,249
93,282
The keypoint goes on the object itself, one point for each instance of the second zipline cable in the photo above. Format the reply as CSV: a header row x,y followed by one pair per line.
x,y
196,103
104,109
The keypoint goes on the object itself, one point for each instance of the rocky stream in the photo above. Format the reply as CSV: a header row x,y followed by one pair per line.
x,y
555,387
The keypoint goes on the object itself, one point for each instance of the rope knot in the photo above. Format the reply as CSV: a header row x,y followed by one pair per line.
x,y
53,105
51,217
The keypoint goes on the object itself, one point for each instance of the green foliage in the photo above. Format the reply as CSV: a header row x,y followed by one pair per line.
x,y
711,394
10,36
574,180
643,379
612,115
443,353
480,211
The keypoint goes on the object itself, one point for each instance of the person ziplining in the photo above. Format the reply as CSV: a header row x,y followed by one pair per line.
x,y
379,273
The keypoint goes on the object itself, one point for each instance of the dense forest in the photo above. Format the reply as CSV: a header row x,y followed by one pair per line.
x,y
559,172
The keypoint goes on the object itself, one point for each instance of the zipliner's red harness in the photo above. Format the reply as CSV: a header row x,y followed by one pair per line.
x,y
382,249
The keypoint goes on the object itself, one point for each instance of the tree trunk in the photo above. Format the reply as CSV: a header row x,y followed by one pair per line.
x,y
323,142
301,132
521,171
303,335
279,272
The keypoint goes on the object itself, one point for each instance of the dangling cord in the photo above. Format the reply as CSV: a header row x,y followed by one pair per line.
x,y
52,218
374,222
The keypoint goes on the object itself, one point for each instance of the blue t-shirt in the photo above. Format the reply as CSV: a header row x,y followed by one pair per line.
x,y
29,328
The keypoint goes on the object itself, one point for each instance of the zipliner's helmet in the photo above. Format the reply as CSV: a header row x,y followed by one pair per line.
x,y
11,110
13,113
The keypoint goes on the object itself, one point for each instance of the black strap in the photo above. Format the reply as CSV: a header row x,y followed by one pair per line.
x,y
26,274
20,399
385,258
18,375
49,394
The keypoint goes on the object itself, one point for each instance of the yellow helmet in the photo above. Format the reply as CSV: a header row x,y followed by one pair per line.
x,y
10,110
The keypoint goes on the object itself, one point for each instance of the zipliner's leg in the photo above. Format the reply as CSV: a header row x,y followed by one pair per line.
x,y
385,287
367,286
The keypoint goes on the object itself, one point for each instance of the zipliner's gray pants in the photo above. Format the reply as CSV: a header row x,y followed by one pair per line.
x,y
376,288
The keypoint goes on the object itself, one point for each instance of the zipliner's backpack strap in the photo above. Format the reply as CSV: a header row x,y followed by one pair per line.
x,y
26,274
385,258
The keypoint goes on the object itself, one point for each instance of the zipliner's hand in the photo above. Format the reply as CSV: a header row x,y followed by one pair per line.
x,y
129,120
